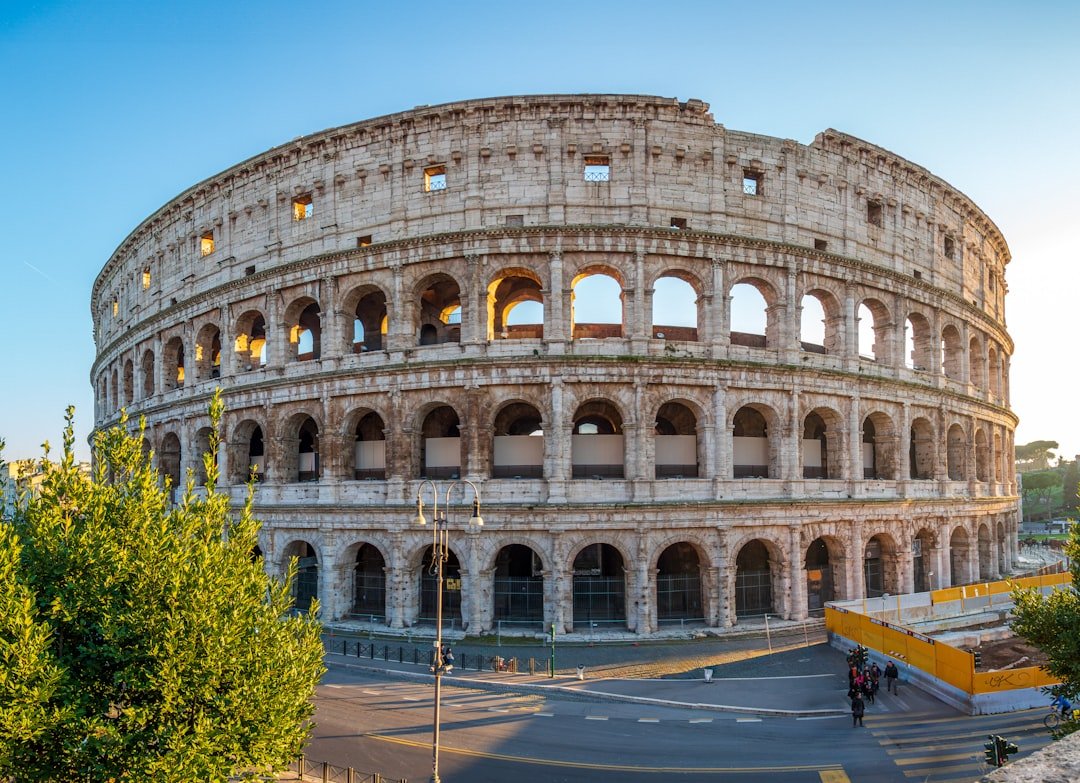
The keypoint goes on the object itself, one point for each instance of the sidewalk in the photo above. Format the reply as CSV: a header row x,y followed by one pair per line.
x,y
798,682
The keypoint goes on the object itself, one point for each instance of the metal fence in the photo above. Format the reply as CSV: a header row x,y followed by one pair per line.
x,y
309,769
421,656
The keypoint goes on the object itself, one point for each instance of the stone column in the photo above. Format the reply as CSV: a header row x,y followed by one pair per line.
x,y
722,443
556,307
851,329
474,307
557,454
719,319
635,318
858,558
796,574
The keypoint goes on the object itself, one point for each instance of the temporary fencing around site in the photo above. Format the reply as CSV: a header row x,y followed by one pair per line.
x,y
942,661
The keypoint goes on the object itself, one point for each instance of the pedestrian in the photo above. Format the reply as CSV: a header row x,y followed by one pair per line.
x,y
858,707
868,690
448,658
891,674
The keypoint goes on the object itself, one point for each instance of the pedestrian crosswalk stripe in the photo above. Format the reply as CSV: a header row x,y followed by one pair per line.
x,y
966,756
596,717
544,714
648,720
834,776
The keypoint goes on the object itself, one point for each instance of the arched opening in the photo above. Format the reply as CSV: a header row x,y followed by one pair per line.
x,y
597,441
821,449
369,583
976,363
958,556
982,456
519,587
678,585
305,329
956,462
819,577
751,453
872,317
369,322
994,359
173,362
515,307
986,562
256,455
369,448
753,580
202,447
952,352
440,444
599,587
997,460
114,389
675,441
305,588
129,382
440,311
812,324
674,309
308,467
918,343
749,315
879,460
921,548
451,592
208,353
596,309
250,344
169,461
875,578
921,450
518,448
148,374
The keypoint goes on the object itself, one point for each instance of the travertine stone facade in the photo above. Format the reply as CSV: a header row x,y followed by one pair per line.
x,y
353,294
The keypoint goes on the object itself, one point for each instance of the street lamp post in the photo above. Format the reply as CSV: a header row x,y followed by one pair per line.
x,y
440,552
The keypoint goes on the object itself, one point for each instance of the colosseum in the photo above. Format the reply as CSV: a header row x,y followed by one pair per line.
x,y
699,376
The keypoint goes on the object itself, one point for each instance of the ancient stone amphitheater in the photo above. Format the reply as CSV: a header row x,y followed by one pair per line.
x,y
698,375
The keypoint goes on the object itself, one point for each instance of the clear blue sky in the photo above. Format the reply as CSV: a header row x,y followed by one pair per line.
x,y
112,108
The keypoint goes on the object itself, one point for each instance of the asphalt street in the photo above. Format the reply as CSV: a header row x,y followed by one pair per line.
x,y
782,716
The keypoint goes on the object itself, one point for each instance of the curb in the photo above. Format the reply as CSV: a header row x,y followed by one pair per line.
x,y
582,693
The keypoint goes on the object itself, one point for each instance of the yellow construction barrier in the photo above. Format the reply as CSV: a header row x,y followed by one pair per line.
x,y
947,663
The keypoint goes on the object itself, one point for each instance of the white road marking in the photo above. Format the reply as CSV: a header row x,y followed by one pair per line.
x,y
372,693
748,720
648,720
596,717
822,717
409,698
336,686
701,720
544,714
497,709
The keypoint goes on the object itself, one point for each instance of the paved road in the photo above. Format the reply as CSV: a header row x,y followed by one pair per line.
x,y
377,724
539,729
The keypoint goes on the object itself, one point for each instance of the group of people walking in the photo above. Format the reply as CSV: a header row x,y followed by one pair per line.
x,y
864,680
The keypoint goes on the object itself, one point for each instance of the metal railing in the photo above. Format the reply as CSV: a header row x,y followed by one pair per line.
x,y
310,769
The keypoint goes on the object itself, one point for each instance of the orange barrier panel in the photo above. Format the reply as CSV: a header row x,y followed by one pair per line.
x,y
1009,679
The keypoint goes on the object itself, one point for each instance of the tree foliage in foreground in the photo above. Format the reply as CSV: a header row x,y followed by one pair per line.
x,y
1052,623
140,641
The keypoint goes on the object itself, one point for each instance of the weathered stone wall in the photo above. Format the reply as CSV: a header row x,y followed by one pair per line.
x,y
335,233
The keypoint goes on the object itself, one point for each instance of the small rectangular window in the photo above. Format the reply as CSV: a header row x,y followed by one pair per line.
x,y
249,271
679,223
950,246
206,243
753,183
115,307
820,244
146,278
302,208
875,214
434,178
918,274
515,220
597,168
363,241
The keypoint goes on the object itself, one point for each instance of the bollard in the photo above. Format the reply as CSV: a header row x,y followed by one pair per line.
x,y
581,671
400,655
386,652
532,665
708,675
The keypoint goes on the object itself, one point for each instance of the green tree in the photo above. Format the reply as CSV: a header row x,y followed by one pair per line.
x,y
171,655
1070,487
1035,455
1040,486
1052,623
